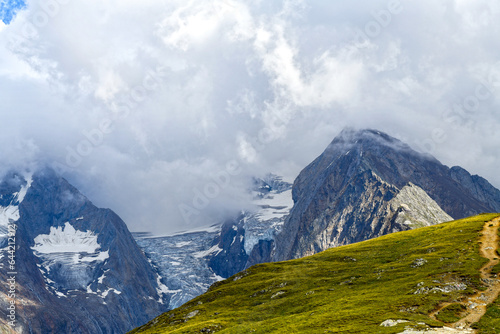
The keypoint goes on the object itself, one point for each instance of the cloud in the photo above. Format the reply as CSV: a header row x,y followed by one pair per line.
x,y
150,107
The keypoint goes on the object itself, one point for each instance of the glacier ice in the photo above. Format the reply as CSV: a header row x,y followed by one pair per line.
x,y
182,259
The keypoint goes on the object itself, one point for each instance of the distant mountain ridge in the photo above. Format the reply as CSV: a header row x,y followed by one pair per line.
x,y
349,194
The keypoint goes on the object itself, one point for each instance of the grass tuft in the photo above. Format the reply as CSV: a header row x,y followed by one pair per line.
x,y
451,313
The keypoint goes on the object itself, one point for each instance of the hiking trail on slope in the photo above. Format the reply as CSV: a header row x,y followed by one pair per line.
x,y
477,303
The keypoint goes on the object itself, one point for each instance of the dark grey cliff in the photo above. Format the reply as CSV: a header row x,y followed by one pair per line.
x,y
231,256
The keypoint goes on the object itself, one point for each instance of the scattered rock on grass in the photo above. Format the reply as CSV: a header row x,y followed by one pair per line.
x,y
392,323
192,314
418,263
279,293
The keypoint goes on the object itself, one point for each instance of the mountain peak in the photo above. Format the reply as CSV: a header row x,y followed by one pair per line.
x,y
365,184
350,131
73,253
367,138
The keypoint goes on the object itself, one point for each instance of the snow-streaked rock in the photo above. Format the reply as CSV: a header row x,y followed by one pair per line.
x,y
69,257
249,238
78,268
268,219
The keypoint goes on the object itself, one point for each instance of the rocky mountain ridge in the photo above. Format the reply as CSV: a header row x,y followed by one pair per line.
x,y
359,187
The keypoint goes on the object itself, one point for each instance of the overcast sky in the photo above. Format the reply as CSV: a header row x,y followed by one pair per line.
x,y
143,105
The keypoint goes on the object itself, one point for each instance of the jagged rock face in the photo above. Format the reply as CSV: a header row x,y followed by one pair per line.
x,y
366,184
414,208
231,257
478,186
78,268
249,238
261,253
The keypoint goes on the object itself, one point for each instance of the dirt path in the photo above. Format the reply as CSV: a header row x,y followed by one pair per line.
x,y
477,303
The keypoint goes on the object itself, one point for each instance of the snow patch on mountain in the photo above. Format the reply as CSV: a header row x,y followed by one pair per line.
x,y
275,205
105,293
66,240
24,189
212,228
100,280
183,244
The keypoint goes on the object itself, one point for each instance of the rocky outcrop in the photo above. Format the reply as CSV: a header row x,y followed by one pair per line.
x,y
366,184
414,208
261,253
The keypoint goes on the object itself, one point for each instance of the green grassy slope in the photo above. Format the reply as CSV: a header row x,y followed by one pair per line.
x,y
349,289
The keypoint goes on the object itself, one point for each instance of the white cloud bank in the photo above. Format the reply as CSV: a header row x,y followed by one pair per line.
x,y
153,106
